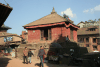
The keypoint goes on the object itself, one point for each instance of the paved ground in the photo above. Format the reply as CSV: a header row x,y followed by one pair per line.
x,y
15,62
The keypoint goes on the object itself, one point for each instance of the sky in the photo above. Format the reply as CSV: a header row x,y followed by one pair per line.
x,y
27,11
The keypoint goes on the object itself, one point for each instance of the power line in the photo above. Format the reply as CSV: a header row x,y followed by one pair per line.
x,y
7,3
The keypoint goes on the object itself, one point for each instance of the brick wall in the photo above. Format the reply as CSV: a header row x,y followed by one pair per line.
x,y
23,36
33,36
75,35
56,32
68,32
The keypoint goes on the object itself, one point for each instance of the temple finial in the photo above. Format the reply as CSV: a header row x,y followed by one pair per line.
x,y
53,11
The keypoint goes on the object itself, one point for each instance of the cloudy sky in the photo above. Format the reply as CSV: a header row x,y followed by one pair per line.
x,y
26,11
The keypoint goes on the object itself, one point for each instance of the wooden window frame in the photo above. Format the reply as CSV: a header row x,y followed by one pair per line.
x,y
42,34
94,41
87,45
96,47
86,40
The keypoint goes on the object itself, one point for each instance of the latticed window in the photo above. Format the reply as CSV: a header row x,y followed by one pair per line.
x,y
94,40
6,39
46,34
81,40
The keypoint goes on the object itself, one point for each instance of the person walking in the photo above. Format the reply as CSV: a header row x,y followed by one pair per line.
x,y
44,55
25,52
30,55
40,54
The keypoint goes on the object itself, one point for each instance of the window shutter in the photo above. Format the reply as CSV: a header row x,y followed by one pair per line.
x,y
49,34
42,34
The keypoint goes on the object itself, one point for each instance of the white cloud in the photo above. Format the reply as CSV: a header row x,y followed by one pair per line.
x,y
92,10
69,13
85,11
97,8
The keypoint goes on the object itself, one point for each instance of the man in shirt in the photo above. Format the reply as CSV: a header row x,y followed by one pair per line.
x,y
25,52
40,54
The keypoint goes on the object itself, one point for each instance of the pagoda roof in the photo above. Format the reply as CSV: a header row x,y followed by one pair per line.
x,y
4,26
4,13
49,19
5,34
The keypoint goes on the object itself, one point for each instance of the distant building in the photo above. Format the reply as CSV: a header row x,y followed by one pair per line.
x,y
8,37
81,24
87,24
89,36
25,35
51,28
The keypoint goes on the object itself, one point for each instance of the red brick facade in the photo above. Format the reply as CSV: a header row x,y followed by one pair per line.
x,y
23,36
34,34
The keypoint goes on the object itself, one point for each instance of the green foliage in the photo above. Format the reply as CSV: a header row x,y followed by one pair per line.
x,y
65,16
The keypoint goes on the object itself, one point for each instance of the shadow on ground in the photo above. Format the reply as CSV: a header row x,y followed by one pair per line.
x,y
63,47
37,64
4,62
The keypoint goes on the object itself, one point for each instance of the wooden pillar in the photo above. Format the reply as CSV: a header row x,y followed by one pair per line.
x,y
91,40
96,42
85,40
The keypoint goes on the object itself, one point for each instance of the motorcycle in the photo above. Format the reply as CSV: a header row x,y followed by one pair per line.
x,y
97,62
74,60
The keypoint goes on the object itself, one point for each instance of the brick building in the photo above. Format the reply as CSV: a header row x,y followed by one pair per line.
x,y
89,36
81,24
50,28
25,36
87,24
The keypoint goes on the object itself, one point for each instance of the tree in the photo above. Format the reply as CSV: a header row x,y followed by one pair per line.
x,y
90,20
99,19
65,16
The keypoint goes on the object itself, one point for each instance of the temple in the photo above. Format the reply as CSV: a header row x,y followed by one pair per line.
x,y
51,28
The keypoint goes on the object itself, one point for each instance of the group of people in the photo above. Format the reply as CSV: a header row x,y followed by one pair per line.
x,y
28,54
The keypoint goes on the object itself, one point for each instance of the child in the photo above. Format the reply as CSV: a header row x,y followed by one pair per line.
x,y
30,55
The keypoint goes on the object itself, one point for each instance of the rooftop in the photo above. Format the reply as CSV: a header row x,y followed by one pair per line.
x,y
49,19
85,31
4,13
4,26
5,34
